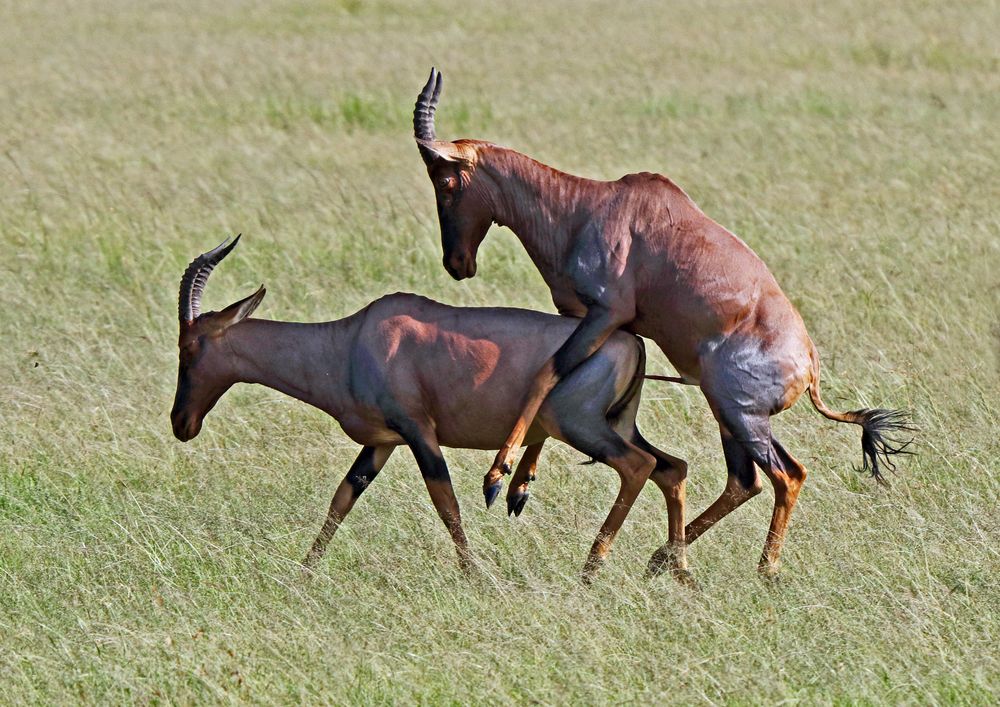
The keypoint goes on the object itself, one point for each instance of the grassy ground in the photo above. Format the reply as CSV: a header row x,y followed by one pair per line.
x,y
853,145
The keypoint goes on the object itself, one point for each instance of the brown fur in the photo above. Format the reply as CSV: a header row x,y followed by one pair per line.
x,y
639,254
406,370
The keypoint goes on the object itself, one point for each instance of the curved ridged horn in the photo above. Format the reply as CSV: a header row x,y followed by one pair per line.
x,y
195,277
423,111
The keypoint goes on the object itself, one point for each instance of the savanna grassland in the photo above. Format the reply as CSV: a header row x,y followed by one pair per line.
x,y
853,145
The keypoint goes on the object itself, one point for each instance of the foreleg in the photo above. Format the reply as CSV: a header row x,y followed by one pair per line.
x,y
517,492
423,442
593,330
362,472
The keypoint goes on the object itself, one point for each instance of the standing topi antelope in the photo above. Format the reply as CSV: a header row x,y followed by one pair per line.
x,y
407,370
638,253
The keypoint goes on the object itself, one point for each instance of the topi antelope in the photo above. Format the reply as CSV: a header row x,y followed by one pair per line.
x,y
407,370
638,253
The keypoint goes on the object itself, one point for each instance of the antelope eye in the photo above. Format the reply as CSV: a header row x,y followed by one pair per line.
x,y
192,347
446,183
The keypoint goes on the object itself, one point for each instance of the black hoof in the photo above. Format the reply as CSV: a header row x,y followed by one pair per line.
x,y
491,493
515,504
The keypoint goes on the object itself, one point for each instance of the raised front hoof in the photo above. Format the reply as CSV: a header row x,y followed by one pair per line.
x,y
502,465
516,501
491,492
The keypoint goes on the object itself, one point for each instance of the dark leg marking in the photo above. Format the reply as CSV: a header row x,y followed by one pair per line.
x,y
434,469
363,471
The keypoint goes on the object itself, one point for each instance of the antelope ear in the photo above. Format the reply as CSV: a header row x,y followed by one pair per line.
x,y
238,311
438,150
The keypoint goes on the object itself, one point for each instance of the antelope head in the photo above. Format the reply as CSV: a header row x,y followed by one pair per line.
x,y
207,368
463,205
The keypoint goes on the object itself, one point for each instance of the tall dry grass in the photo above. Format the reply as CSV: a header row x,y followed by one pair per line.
x,y
853,145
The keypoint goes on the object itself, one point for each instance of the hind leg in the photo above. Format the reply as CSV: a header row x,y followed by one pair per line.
x,y
752,432
787,476
590,432
633,466
593,410
742,484
746,380
669,476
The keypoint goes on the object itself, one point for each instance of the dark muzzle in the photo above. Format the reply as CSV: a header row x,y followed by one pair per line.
x,y
460,265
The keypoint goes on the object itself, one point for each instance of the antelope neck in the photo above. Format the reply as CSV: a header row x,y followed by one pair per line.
x,y
533,200
306,361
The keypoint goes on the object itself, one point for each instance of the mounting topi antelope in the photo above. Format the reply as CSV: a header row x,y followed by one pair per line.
x,y
409,371
637,253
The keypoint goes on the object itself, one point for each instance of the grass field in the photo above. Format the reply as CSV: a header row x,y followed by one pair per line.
x,y
853,145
